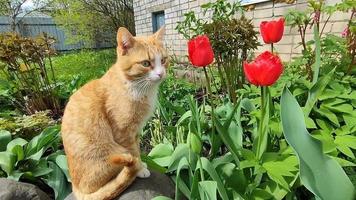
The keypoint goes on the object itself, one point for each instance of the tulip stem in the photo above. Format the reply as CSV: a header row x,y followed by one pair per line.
x,y
207,81
272,47
262,137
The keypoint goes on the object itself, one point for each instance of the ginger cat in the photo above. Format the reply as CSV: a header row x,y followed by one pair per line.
x,y
102,119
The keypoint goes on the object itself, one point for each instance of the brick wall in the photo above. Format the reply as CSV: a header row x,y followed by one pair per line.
x,y
175,9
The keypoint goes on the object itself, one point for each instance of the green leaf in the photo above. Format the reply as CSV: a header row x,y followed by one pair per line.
x,y
319,173
259,194
151,164
344,163
207,190
61,161
276,170
328,114
7,162
42,140
181,151
161,150
316,91
15,175
208,167
16,147
223,133
5,138
58,182
180,185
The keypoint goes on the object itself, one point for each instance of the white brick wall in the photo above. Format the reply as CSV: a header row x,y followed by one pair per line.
x,y
175,9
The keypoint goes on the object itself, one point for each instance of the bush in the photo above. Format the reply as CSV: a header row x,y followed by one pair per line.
x,y
23,63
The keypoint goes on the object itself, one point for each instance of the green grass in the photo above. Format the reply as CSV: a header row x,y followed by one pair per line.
x,y
87,64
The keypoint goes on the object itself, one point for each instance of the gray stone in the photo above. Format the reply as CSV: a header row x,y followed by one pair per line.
x,y
13,190
146,189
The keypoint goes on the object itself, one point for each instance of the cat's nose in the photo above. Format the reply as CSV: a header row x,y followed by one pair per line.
x,y
160,74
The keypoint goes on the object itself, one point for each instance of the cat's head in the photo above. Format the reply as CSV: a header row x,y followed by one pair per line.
x,y
142,59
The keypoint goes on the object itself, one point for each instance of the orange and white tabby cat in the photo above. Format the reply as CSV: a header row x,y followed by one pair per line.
x,y
102,119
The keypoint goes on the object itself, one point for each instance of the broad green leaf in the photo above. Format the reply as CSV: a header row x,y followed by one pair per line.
x,y
207,190
151,164
161,150
180,185
233,177
208,167
319,173
42,140
316,91
58,182
18,141
181,151
61,161
223,133
16,147
7,162
5,138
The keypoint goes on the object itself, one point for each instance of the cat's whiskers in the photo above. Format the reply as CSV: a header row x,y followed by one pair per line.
x,y
140,88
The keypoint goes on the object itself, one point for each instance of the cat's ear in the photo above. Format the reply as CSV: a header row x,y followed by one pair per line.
x,y
125,40
159,35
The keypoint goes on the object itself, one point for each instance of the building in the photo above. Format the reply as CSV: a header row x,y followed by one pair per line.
x,y
151,14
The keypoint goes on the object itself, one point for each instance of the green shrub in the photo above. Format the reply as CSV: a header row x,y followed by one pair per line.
x,y
30,79
39,161
27,126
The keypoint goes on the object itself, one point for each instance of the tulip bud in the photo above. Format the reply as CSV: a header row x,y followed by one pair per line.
x,y
200,51
264,70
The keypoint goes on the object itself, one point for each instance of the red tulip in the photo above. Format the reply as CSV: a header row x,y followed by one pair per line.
x,y
272,31
264,70
200,52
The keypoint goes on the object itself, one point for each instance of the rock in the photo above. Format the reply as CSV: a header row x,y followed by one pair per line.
x,y
13,190
146,188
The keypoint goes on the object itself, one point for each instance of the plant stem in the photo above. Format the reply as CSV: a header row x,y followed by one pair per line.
x,y
272,47
261,128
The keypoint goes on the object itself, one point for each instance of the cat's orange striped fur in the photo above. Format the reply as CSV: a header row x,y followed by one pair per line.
x,y
102,119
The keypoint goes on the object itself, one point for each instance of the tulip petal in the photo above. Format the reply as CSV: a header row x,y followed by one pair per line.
x,y
200,51
264,70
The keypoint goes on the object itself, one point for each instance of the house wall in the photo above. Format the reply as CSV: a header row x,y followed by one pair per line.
x,y
175,9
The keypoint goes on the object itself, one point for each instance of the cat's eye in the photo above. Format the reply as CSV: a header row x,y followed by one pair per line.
x,y
163,60
146,63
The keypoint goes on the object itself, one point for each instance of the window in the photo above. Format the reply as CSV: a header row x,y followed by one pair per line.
x,y
157,20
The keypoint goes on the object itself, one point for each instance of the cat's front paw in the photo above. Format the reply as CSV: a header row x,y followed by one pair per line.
x,y
144,173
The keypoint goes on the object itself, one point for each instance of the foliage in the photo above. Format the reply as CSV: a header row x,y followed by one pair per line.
x,y
26,126
310,18
172,103
29,76
232,40
39,161
311,157
93,21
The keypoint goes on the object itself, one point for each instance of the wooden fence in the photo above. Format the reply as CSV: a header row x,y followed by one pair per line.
x,y
33,26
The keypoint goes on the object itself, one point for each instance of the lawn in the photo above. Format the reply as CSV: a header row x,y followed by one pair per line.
x,y
86,63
